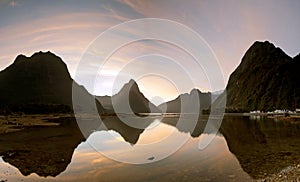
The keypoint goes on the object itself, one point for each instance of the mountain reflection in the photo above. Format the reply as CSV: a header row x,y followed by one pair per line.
x,y
187,123
46,151
129,128
261,146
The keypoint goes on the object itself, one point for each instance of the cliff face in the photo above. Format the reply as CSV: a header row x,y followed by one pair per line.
x,y
39,81
42,78
266,79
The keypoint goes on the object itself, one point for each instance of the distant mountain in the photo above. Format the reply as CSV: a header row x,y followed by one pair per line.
x,y
266,79
216,94
39,83
106,103
188,102
128,99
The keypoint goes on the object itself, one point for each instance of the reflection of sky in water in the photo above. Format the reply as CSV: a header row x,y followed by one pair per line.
x,y
214,162
161,132
157,136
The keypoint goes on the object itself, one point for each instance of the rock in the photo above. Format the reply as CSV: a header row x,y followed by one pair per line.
x,y
151,158
266,79
231,176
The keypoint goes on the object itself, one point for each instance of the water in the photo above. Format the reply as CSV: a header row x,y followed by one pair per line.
x,y
244,149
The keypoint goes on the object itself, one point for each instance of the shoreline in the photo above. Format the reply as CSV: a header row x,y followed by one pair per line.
x,y
14,123
289,173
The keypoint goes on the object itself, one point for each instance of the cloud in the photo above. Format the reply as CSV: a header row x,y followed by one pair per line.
x,y
229,27
14,3
65,34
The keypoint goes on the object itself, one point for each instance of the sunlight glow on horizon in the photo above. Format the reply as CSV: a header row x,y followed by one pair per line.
x,y
67,29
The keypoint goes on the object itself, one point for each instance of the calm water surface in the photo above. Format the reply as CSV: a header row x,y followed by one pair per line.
x,y
244,149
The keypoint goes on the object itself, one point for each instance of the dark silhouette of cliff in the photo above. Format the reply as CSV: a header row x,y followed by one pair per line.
x,y
266,79
39,84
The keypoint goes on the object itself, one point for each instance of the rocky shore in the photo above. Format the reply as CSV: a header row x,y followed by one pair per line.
x,y
288,174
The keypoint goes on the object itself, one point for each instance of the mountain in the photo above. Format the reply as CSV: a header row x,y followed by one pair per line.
x,y
128,99
266,79
188,102
40,83
106,102
216,94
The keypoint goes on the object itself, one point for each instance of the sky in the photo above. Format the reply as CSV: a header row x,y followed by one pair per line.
x,y
70,29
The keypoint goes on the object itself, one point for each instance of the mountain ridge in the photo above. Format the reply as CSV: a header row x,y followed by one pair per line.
x,y
128,99
266,79
185,103
40,83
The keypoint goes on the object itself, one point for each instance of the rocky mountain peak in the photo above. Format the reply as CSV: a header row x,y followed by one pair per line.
x,y
42,79
266,79
264,53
